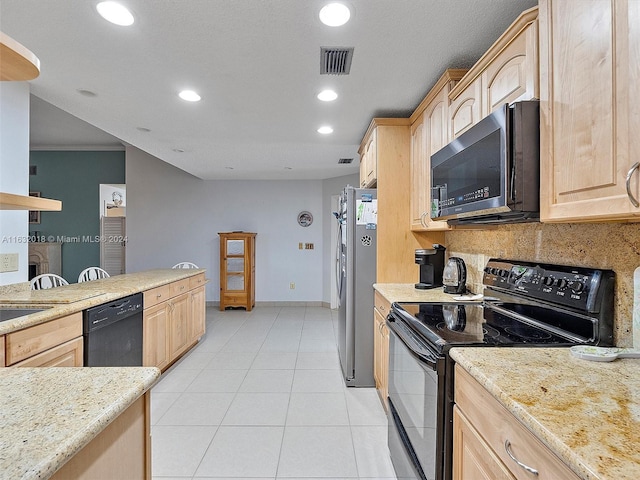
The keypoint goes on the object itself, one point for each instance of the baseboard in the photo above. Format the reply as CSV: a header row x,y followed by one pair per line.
x,y
281,304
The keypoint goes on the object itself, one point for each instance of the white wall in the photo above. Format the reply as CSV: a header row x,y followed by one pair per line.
x,y
173,216
106,195
14,174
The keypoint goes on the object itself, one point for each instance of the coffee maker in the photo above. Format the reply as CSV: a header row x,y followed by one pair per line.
x,y
431,263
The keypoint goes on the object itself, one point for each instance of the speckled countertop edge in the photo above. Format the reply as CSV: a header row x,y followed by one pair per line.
x,y
49,414
587,413
407,292
84,295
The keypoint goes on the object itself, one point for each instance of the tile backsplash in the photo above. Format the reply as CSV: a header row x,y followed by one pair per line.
x,y
614,246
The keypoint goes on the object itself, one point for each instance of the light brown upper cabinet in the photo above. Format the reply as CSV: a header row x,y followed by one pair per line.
x,y
369,160
507,72
429,133
589,113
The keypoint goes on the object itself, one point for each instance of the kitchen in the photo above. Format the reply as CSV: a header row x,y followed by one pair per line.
x,y
599,245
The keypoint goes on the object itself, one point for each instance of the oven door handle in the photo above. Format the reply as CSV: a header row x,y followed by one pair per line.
x,y
415,346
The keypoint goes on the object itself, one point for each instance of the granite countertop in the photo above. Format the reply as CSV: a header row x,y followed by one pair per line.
x,y
588,413
407,292
76,297
47,415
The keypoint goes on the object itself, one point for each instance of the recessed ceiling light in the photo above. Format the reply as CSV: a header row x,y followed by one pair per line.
x,y
228,168
189,96
178,150
115,13
334,14
288,168
327,95
143,129
86,93
326,130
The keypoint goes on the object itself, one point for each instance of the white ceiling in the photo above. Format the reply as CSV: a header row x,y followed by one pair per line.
x,y
256,64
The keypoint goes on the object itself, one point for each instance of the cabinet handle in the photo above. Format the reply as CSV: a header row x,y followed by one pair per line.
x,y
158,295
632,199
181,287
507,447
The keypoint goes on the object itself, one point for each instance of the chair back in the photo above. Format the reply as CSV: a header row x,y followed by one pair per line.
x,y
185,265
47,280
92,273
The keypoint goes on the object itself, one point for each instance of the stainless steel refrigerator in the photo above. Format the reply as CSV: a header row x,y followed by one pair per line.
x,y
356,274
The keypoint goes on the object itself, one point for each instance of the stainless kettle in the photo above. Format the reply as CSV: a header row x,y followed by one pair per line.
x,y
454,276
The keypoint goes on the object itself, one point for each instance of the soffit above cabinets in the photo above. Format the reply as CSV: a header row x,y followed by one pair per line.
x,y
17,63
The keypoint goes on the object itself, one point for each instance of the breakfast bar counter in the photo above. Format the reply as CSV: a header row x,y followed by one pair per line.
x,y
587,413
68,299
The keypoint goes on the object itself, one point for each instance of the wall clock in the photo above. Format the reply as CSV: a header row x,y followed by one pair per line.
x,y
305,219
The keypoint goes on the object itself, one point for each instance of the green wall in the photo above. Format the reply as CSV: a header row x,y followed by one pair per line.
x,y
75,178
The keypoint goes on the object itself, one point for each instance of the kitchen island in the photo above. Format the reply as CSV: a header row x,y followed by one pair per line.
x,y
586,413
58,419
76,297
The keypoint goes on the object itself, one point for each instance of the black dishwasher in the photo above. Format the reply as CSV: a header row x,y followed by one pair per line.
x,y
113,333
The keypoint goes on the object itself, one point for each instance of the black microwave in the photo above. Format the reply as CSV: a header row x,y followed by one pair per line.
x,y
490,174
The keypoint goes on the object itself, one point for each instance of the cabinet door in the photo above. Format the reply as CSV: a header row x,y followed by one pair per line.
x,y
2,357
419,175
179,310
513,74
466,109
155,327
234,265
68,354
437,136
590,71
372,159
472,457
198,314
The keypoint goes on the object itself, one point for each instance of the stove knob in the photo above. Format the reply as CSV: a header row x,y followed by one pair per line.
x,y
503,273
494,271
548,281
576,287
561,283
487,270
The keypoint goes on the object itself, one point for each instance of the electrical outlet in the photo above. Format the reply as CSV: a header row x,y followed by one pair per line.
x,y
292,286
8,262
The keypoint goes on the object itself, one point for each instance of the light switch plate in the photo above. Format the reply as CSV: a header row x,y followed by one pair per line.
x,y
8,262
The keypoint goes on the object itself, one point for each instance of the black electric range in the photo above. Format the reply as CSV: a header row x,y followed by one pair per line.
x,y
525,305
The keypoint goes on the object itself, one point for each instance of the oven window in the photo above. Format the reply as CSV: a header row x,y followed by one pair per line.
x,y
414,391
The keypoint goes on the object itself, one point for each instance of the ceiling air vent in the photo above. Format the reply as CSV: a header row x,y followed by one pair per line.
x,y
335,60
345,160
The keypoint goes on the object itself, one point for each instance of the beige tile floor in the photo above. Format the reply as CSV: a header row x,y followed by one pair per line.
x,y
262,397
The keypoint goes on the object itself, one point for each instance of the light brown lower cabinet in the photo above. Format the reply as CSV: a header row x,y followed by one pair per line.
x,y
155,349
381,346
121,450
173,320
179,317
198,313
490,443
2,360
54,343
68,354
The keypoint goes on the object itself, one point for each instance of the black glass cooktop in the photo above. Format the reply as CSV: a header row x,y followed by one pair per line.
x,y
451,324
